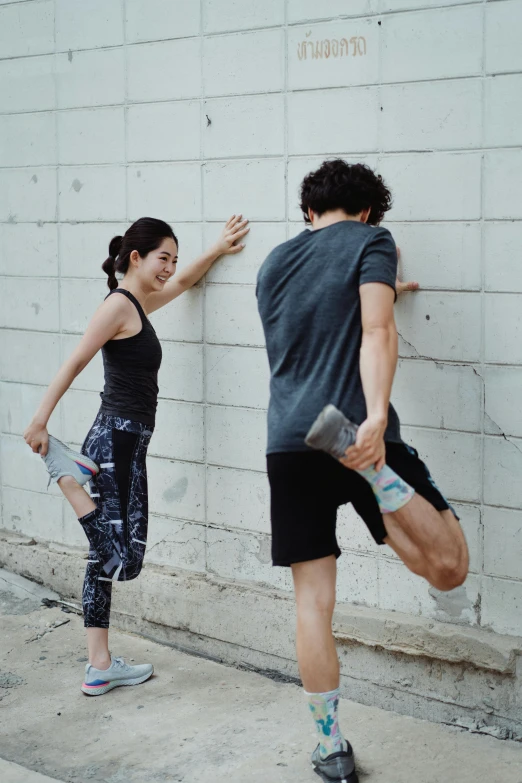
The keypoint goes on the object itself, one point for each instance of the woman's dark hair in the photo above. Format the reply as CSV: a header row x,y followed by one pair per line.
x,y
339,185
145,235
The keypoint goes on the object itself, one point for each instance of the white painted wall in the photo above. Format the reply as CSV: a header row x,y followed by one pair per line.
x,y
103,118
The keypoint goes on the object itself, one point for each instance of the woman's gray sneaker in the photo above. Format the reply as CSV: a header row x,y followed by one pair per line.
x,y
99,681
332,432
337,768
61,461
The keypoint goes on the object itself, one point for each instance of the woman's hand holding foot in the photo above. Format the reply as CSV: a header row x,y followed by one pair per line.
x,y
37,437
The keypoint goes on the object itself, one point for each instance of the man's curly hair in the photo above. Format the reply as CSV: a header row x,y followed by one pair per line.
x,y
350,187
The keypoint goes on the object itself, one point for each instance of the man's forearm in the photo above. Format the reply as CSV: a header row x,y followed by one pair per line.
x,y
378,360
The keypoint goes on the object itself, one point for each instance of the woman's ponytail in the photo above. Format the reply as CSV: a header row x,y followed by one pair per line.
x,y
109,265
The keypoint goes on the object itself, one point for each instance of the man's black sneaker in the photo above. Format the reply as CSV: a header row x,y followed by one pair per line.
x,y
336,768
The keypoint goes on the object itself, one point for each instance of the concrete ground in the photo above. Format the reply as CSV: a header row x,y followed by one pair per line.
x,y
195,721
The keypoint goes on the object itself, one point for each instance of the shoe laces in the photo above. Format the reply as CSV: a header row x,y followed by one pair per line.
x,y
121,663
52,469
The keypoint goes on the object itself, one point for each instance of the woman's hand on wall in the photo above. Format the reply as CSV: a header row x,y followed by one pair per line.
x,y
229,242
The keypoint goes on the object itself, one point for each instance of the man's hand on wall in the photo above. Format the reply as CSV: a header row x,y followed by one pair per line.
x,y
401,287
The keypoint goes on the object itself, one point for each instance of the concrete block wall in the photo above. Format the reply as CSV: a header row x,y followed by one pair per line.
x,y
112,109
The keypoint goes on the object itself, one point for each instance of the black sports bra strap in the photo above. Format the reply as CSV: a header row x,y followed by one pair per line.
x,y
132,298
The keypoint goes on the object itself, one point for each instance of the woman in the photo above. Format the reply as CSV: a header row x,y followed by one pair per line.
x,y
114,516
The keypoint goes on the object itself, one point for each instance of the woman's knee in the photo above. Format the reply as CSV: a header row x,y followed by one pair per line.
x,y
128,574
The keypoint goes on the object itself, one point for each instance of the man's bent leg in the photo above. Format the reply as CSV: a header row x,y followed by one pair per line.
x,y
430,542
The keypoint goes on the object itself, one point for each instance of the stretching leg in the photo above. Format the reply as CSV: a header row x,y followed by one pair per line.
x,y
79,499
102,536
430,542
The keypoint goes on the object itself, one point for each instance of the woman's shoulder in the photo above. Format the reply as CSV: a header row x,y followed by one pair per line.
x,y
117,300
115,308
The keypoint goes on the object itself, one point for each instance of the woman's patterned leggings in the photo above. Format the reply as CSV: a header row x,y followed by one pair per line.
x,y
117,528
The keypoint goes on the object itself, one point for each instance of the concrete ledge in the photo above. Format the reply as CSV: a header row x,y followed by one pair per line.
x,y
408,664
13,773
403,633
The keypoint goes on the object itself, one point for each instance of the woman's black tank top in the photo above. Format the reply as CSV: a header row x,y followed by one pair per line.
x,y
131,371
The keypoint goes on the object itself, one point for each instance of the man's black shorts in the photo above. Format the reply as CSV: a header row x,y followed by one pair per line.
x,y
307,487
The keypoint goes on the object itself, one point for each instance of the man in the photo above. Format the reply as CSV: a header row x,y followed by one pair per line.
x,y
326,302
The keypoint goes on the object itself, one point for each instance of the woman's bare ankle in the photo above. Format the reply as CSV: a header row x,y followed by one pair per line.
x,y
101,662
67,482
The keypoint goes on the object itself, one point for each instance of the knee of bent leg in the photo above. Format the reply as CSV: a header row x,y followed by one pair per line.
x,y
451,571
132,573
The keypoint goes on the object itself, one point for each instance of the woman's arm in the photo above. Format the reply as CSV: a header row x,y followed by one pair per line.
x,y
235,229
105,324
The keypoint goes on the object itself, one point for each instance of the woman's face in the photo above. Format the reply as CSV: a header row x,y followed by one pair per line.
x,y
159,265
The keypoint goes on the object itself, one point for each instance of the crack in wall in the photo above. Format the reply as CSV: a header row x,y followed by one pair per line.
x,y
441,365
410,345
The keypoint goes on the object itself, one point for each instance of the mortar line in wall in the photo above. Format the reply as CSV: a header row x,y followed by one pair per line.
x,y
194,98
265,157
285,118
235,529
266,534
388,12
61,406
253,30
125,107
428,289
379,162
231,284
391,221
224,96
401,221
263,410
58,230
17,3
202,100
136,44
482,301
436,360
260,473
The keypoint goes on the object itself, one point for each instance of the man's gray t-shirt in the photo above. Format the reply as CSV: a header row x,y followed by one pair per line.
x,y
308,299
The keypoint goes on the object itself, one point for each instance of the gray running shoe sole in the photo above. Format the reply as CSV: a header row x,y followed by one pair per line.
x,y
99,690
103,681
332,432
